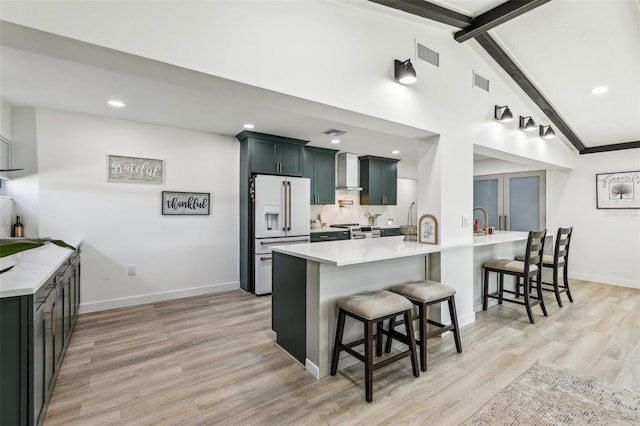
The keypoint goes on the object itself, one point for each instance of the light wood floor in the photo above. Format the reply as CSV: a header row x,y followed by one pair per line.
x,y
212,360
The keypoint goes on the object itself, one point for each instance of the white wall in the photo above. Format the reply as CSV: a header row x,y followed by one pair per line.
x,y
121,223
343,54
605,245
5,119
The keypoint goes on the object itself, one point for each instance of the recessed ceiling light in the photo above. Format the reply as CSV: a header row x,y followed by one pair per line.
x,y
395,151
335,140
599,90
116,103
248,126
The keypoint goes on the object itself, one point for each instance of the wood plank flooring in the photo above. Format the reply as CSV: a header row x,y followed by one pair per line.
x,y
212,360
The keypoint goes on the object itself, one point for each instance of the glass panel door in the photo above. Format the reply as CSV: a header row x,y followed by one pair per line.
x,y
513,201
487,193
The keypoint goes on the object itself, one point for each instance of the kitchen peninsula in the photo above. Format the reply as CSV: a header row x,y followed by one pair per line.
x,y
308,279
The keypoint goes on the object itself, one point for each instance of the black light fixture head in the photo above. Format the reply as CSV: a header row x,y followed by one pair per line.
x,y
527,124
502,113
404,72
546,132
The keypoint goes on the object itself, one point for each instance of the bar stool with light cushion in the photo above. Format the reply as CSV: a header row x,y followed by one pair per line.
x,y
423,294
374,308
527,270
560,259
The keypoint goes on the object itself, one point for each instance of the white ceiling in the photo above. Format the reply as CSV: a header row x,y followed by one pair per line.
x,y
78,77
566,47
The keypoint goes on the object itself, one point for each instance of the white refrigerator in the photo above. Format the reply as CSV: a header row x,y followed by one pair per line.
x,y
281,210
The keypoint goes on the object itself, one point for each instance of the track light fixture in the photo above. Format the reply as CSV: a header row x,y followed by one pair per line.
x,y
527,124
502,113
404,72
546,132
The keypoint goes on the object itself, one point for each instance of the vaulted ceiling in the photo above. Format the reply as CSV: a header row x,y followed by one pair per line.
x,y
562,48
558,51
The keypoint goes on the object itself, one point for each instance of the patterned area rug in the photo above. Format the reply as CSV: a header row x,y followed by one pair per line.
x,y
546,395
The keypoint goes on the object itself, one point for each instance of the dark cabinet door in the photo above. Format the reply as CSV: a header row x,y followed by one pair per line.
x,y
389,171
379,180
324,175
320,167
50,353
264,157
290,159
43,357
59,323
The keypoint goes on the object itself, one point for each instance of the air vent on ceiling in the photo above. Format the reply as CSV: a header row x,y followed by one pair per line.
x,y
428,55
334,132
480,81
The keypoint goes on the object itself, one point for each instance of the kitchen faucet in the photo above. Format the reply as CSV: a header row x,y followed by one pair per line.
x,y
410,215
486,218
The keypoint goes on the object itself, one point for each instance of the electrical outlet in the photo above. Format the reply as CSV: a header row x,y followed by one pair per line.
x,y
133,269
465,222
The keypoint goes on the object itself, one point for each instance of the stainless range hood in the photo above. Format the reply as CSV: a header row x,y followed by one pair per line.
x,y
348,176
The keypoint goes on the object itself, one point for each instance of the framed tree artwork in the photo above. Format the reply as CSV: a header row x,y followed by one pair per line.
x,y
618,190
428,229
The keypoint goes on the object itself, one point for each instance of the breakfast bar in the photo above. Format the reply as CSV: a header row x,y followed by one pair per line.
x,y
308,279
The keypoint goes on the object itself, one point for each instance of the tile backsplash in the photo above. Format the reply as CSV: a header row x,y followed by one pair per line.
x,y
351,214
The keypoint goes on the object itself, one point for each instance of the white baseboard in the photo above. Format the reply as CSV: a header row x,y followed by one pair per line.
x,y
312,369
156,297
605,280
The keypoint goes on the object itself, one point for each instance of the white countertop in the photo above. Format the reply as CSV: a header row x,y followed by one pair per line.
x,y
352,252
502,237
32,268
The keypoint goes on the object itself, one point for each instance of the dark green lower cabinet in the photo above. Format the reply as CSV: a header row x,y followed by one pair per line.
x,y
289,304
34,332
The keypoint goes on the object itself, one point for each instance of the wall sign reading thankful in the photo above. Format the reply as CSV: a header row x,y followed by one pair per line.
x,y
133,169
185,203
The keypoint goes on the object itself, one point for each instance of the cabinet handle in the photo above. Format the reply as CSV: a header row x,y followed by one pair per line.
x,y
52,315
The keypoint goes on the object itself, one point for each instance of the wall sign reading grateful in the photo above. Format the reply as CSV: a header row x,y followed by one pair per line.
x,y
185,203
133,169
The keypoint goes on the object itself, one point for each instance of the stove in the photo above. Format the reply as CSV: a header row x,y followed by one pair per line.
x,y
358,232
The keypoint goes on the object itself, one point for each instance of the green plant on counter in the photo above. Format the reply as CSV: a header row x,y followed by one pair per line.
x,y
13,246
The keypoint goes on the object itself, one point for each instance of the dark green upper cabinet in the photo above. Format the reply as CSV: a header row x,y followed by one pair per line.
x,y
274,155
320,167
379,181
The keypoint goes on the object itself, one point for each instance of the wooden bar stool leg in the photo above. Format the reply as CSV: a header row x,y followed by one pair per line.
x,y
379,325
338,342
565,277
485,300
392,324
454,321
368,360
539,292
422,320
527,300
556,289
412,342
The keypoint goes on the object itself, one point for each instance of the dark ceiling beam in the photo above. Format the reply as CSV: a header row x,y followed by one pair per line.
x,y
501,57
429,10
496,16
612,147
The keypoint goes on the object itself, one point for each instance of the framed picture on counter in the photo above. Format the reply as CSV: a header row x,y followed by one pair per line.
x,y
428,229
619,190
